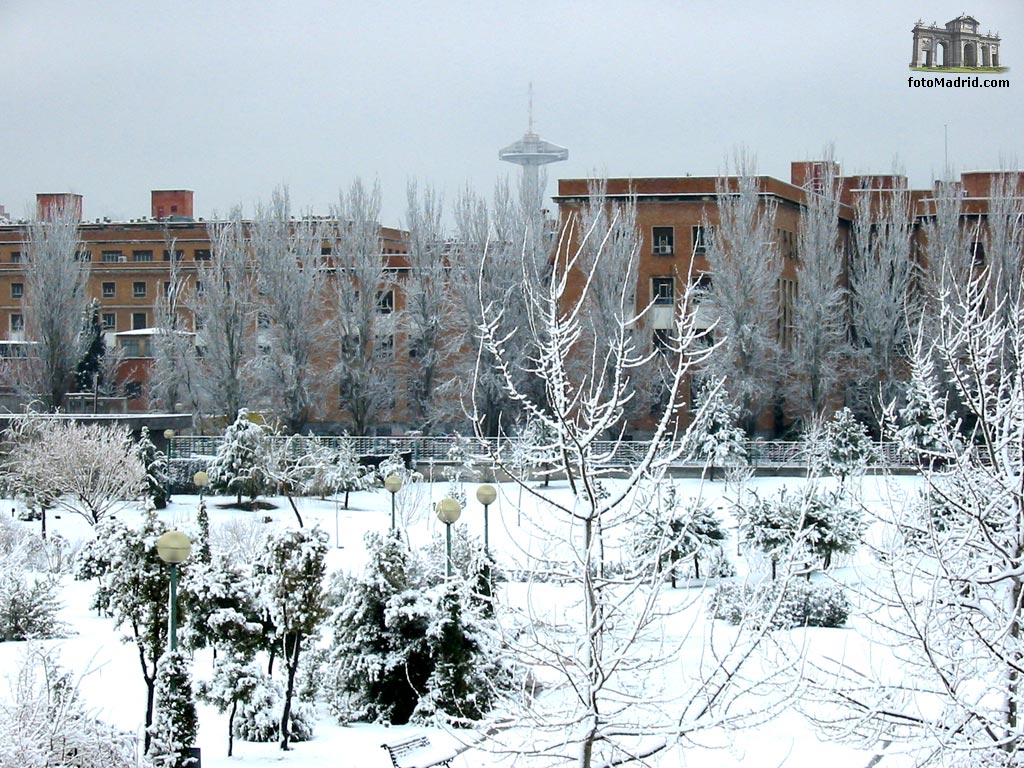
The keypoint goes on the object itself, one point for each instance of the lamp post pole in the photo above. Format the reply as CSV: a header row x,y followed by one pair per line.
x,y
448,511
486,494
393,484
173,547
168,437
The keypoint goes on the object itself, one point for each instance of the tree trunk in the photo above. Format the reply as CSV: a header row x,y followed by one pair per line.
x,y
293,666
231,727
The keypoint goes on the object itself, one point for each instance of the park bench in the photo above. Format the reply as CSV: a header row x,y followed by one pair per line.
x,y
417,752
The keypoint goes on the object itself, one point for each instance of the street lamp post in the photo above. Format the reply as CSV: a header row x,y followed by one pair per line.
x,y
168,436
486,494
393,484
173,547
448,511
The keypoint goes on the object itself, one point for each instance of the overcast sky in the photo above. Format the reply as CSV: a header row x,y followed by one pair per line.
x,y
111,99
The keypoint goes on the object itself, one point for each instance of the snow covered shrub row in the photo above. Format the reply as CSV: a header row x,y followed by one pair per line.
x,y
783,604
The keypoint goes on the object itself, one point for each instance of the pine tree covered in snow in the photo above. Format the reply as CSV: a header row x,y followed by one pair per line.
x,y
845,448
674,531
289,578
236,679
922,422
466,669
240,466
379,659
717,438
155,462
176,724
134,583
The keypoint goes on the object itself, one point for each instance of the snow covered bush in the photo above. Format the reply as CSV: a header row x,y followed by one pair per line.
x,y
29,585
781,604
176,724
240,466
670,535
238,539
45,724
797,526
91,470
260,713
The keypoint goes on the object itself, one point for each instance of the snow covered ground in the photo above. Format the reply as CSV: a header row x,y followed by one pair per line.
x,y
112,683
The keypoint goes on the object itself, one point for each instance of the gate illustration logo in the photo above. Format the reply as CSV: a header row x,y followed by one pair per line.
x,y
955,47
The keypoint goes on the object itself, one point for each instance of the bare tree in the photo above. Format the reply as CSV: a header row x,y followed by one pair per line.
x,y
291,303
174,377
55,300
606,660
89,469
365,311
949,605
428,313
819,344
882,273
223,303
500,247
745,270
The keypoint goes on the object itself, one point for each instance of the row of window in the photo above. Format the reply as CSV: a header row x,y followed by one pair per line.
x,y
120,257
663,240
663,289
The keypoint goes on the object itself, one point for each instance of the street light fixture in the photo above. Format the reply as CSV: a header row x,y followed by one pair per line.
x,y
200,480
168,436
393,484
486,494
448,511
173,547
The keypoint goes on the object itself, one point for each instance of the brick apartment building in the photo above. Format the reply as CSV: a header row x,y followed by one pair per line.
x,y
130,260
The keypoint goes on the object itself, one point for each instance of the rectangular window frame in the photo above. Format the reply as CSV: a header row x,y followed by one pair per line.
x,y
663,240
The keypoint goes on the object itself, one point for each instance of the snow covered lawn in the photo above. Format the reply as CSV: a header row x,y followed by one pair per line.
x,y
112,683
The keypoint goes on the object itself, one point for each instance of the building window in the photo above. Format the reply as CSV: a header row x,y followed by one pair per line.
x,y
262,320
133,389
109,290
978,253
702,239
111,257
109,321
17,322
664,239
787,301
663,290
17,290
178,255
142,255
662,339
385,302
15,257
83,256
139,290
138,321
202,254
384,347
325,250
